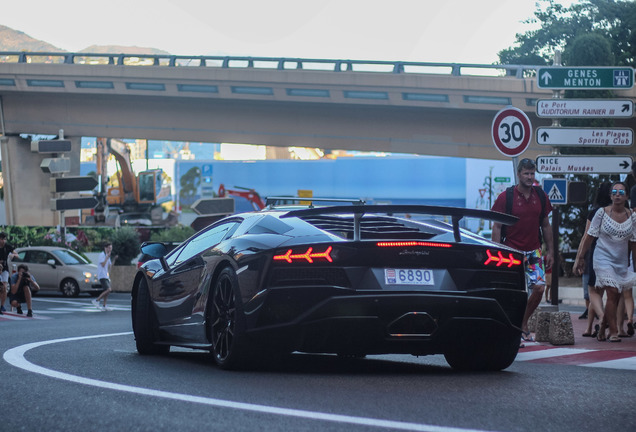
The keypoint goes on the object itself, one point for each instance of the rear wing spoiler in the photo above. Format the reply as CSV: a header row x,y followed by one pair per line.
x,y
456,214
273,200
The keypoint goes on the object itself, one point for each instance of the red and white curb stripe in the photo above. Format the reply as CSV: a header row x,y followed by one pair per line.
x,y
610,359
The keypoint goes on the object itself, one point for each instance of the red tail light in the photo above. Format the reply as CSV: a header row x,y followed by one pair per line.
x,y
413,243
309,255
499,259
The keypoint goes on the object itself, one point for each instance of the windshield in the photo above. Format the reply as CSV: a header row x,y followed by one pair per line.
x,y
68,257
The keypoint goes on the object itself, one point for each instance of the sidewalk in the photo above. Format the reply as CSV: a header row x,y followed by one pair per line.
x,y
580,325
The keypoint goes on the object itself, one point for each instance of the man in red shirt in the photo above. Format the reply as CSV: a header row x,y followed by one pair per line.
x,y
525,235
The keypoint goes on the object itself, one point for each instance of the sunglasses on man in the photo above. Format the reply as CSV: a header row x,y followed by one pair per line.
x,y
620,192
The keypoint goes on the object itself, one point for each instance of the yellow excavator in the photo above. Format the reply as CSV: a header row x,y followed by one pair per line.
x,y
130,199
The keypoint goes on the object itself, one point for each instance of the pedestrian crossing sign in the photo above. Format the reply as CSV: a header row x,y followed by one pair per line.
x,y
557,190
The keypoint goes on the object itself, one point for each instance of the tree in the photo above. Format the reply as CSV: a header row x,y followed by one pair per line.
x,y
592,49
560,26
189,182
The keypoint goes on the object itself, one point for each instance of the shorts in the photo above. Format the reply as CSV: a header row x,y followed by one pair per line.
x,y
4,276
105,284
18,296
535,270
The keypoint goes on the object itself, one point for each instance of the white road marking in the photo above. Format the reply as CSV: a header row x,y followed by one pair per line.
x,y
52,312
628,363
23,317
49,300
15,357
547,353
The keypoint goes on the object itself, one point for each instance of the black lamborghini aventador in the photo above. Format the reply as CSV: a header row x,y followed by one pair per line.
x,y
352,280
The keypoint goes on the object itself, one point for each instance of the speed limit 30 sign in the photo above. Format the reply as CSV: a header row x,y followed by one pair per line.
x,y
511,131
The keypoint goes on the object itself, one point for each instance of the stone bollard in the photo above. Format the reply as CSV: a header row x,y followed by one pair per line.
x,y
542,331
561,331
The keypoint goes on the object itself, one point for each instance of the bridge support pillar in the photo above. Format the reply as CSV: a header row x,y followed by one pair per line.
x,y
26,187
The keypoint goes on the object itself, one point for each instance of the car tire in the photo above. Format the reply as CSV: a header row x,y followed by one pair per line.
x,y
226,323
69,288
483,355
145,326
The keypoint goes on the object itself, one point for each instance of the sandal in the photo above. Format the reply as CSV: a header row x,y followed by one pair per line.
x,y
595,332
601,333
587,334
525,336
630,329
614,339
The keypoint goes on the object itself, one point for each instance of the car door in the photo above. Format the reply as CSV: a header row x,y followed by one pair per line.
x,y
45,275
177,290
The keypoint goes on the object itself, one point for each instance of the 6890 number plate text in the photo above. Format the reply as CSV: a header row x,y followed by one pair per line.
x,y
408,277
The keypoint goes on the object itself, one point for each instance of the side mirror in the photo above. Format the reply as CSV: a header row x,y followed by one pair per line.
x,y
51,262
155,250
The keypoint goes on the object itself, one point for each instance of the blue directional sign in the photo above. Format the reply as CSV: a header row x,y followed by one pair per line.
x,y
557,190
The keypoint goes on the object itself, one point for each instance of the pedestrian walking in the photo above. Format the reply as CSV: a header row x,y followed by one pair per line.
x,y
593,295
614,227
532,206
104,263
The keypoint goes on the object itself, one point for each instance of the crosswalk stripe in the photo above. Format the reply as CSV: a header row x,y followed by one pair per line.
x,y
42,313
548,353
628,363
624,360
8,316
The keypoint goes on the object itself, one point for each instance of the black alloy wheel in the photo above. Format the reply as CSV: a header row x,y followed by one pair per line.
x,y
226,325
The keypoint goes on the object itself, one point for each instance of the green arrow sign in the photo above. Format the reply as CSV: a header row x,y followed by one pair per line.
x,y
502,179
585,78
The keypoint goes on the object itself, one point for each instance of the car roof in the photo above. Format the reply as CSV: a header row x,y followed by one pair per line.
x,y
44,248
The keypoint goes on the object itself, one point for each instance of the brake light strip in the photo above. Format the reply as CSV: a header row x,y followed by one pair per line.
x,y
413,243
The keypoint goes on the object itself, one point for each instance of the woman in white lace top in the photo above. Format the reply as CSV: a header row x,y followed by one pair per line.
x,y
615,228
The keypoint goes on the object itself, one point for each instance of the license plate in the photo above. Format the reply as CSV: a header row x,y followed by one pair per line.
x,y
408,277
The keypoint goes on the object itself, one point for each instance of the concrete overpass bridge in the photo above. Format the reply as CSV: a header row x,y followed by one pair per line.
x,y
406,107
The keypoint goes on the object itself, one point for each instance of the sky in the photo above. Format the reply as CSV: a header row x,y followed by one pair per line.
x,y
461,31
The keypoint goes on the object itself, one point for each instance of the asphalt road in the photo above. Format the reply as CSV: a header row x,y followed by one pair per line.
x,y
74,368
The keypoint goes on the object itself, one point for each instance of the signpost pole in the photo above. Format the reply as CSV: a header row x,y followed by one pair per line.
x,y
62,222
490,190
554,283
554,286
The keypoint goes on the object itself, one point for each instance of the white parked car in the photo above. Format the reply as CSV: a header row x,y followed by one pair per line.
x,y
58,269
